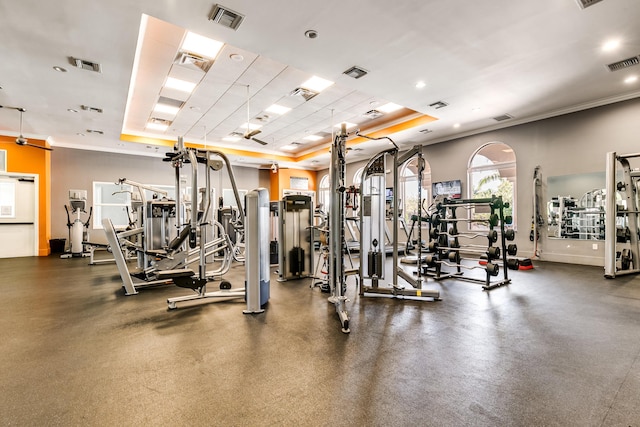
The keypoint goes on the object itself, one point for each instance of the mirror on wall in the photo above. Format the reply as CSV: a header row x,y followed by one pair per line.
x,y
575,209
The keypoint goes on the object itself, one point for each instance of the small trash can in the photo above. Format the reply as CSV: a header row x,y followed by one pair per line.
x,y
57,245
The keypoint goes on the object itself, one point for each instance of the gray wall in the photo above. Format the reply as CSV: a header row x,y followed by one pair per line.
x,y
570,144
78,169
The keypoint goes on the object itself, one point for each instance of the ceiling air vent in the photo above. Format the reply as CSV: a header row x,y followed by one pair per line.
x,y
226,17
99,132
438,104
86,65
586,3
305,93
625,63
193,61
356,72
373,114
425,131
503,117
91,109
236,135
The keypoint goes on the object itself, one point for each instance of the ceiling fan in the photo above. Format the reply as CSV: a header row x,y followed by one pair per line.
x,y
249,134
21,140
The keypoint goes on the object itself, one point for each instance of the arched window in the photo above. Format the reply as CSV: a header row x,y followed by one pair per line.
x,y
408,194
492,171
357,177
324,194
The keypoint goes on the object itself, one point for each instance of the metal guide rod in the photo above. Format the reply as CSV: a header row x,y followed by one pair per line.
x,y
610,217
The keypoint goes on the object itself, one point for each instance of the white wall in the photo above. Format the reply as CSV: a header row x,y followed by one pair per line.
x,y
569,144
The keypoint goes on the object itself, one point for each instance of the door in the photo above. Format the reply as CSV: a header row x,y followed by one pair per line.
x,y
18,216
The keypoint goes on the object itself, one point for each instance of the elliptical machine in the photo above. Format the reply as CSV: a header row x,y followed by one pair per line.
x,y
78,230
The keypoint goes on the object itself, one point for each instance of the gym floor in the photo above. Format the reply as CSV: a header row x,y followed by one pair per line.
x,y
558,346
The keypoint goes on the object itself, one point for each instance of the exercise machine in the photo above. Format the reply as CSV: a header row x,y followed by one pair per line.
x,y
256,286
622,244
78,230
295,228
373,225
337,243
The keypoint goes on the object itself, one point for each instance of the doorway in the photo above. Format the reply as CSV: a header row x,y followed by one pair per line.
x,y
18,215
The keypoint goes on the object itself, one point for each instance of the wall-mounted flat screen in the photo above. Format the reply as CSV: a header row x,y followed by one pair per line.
x,y
388,194
452,189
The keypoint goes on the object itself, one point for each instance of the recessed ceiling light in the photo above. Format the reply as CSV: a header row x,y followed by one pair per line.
x,y
236,57
316,84
60,69
278,109
167,109
389,107
288,147
194,108
420,85
181,85
611,45
71,110
356,72
231,138
311,34
475,109
157,126
457,125
80,134
313,137
631,79
201,45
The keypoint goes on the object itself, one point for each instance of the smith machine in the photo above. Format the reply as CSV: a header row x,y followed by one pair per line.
x,y
373,224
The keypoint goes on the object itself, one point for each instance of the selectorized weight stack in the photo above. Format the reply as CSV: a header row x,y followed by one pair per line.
x,y
295,226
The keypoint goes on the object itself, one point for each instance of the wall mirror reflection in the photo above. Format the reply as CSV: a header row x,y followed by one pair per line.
x,y
576,206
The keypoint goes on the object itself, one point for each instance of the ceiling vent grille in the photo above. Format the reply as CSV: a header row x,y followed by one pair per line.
x,y
625,63
373,114
425,131
193,61
438,104
91,109
86,65
96,131
587,3
304,93
158,121
356,72
503,117
226,17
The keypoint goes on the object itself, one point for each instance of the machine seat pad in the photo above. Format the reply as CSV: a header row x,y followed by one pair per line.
x,y
170,274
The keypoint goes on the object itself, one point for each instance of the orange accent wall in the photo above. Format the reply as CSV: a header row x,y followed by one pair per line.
x,y
281,181
33,161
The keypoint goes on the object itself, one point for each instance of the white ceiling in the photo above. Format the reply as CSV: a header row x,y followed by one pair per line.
x,y
528,59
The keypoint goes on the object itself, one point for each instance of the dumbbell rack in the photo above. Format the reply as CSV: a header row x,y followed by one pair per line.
x,y
445,249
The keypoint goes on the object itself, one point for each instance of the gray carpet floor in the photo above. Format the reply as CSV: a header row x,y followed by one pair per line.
x,y
559,346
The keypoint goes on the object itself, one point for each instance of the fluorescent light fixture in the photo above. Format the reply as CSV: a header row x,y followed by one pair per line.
x,y
231,138
313,137
631,79
389,107
349,125
252,126
181,85
288,147
157,126
200,45
316,84
420,85
167,109
278,109
457,125
611,45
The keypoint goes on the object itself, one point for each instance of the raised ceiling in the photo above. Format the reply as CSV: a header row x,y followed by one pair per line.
x,y
529,60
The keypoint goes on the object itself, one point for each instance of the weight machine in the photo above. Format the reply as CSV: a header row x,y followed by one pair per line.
x,y
622,252
256,231
295,255
373,226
